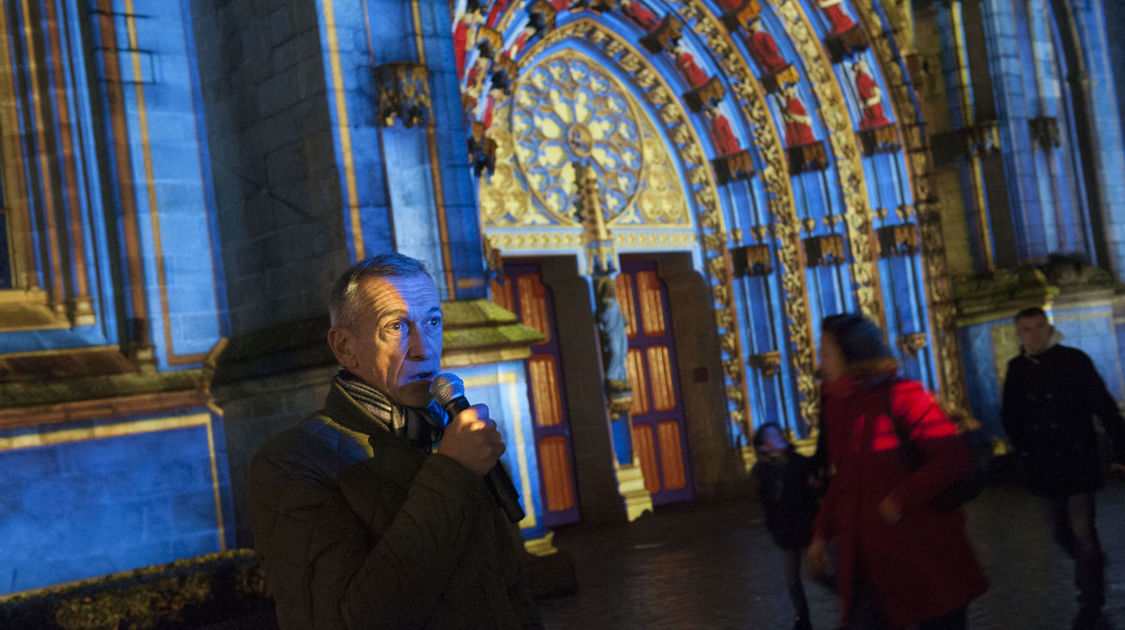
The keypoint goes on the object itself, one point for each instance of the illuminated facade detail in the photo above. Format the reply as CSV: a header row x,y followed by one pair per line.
x,y
403,92
168,194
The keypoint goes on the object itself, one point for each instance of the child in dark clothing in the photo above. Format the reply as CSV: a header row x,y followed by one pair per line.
x,y
786,488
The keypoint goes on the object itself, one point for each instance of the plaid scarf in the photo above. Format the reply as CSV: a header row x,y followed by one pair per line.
x,y
421,426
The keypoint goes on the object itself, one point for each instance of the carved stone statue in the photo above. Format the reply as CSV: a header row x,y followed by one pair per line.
x,y
615,344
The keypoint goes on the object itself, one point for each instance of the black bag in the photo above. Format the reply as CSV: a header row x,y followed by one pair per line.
x,y
963,490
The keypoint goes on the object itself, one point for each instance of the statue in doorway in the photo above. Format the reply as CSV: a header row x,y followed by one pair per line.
x,y
615,345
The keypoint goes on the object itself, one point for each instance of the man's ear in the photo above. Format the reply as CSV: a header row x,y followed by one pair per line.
x,y
342,343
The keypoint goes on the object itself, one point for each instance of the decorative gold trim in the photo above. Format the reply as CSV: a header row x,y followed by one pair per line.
x,y
669,239
571,239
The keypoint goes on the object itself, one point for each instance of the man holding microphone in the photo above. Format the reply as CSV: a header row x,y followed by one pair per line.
x,y
360,521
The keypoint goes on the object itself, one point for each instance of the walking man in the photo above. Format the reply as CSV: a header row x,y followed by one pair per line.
x,y
1051,394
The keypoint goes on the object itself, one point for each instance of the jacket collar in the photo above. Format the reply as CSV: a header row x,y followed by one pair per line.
x,y
344,410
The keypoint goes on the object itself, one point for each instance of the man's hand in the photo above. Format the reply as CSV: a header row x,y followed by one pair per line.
x,y
1117,469
890,510
817,557
472,439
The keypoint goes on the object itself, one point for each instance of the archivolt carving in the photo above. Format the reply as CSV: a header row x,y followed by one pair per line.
x,y
939,289
775,179
849,169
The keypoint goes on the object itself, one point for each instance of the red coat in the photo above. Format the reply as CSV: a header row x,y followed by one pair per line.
x,y
923,565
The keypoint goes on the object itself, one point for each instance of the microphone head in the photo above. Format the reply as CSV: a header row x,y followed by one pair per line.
x,y
445,387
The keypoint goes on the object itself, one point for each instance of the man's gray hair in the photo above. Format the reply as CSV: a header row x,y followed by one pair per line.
x,y
345,301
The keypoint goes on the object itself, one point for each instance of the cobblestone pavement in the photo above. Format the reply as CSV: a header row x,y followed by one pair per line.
x,y
714,565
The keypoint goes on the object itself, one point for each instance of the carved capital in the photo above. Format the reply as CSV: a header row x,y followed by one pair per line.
x,y
751,260
733,167
1045,131
827,249
402,90
898,240
768,363
911,343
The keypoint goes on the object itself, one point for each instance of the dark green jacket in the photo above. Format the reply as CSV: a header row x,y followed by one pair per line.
x,y
360,528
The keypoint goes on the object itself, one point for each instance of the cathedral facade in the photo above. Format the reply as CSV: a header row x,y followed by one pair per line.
x,y
637,213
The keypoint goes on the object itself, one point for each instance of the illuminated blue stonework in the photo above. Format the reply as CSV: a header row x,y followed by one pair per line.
x,y
78,507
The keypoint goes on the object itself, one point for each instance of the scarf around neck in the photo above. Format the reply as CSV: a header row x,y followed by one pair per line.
x,y
422,426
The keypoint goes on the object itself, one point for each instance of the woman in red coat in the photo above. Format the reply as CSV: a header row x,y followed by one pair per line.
x,y
901,562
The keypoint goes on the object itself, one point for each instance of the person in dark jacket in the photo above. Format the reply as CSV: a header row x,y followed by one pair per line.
x,y
360,522
1051,394
902,562
787,484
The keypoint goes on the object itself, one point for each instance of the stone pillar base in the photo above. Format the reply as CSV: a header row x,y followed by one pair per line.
x,y
631,486
542,546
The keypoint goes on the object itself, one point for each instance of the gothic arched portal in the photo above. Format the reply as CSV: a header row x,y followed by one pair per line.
x,y
776,141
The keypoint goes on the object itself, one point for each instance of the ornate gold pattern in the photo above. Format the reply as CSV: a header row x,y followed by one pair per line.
x,y
524,241
565,111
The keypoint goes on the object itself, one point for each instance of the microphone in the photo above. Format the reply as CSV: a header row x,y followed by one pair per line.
x,y
449,392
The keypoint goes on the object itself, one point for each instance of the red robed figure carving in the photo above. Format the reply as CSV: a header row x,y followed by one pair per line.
x,y
725,140
870,98
464,36
835,14
763,49
685,63
497,9
636,12
798,124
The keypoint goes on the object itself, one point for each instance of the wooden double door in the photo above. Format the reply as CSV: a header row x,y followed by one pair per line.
x,y
659,426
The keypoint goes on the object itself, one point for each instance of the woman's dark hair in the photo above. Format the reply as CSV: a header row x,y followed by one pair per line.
x,y
862,343
760,435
